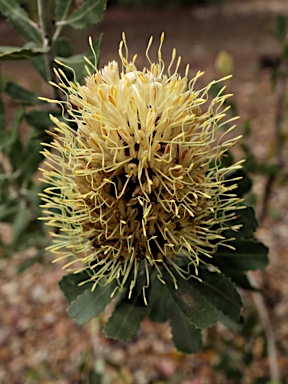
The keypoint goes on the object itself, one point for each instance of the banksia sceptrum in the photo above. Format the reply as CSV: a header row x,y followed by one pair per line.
x,y
139,185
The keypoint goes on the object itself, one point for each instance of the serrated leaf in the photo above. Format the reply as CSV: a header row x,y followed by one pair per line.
x,y
249,255
21,94
220,292
157,301
78,63
196,308
70,285
239,278
186,337
21,222
126,318
62,9
88,13
20,53
20,20
90,304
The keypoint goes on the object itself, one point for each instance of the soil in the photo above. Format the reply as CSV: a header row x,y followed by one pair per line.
x,y
39,343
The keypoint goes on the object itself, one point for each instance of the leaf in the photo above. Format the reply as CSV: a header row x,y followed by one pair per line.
x,y
11,138
157,301
281,29
249,255
126,318
40,119
243,184
62,9
2,117
186,337
88,13
239,278
63,47
90,304
196,308
220,292
78,63
39,64
20,53
20,20
248,221
21,94
70,285
21,222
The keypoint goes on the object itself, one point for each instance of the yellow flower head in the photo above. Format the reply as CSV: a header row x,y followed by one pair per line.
x,y
139,185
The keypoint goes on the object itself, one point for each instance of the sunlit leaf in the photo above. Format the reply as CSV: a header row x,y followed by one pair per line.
x,y
90,304
20,53
20,20
195,307
88,13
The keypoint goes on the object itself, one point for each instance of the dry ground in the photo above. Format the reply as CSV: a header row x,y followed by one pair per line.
x,y
39,343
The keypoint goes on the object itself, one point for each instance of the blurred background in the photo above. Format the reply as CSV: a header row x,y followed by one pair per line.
x,y
39,343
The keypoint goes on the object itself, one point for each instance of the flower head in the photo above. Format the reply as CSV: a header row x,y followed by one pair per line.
x,y
139,185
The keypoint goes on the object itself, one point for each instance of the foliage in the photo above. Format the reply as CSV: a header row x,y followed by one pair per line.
x,y
196,303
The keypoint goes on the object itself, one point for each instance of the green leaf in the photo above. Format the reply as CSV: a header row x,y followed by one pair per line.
x,y
2,116
70,285
186,337
239,278
243,184
62,9
126,318
40,119
77,62
63,47
21,222
281,29
88,13
39,64
196,308
20,20
157,301
21,94
248,221
249,255
11,139
90,304
20,53
220,292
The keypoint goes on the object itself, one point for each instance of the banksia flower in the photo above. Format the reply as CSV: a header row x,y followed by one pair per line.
x,y
139,185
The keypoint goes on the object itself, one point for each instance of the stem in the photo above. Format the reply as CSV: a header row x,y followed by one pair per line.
x,y
265,320
45,20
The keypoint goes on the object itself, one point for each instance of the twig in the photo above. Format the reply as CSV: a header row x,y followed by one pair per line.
x,y
265,320
45,20
279,114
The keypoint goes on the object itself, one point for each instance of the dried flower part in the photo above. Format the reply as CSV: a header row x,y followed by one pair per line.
x,y
139,185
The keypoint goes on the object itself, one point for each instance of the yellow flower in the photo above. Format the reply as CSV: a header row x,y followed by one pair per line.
x,y
139,185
